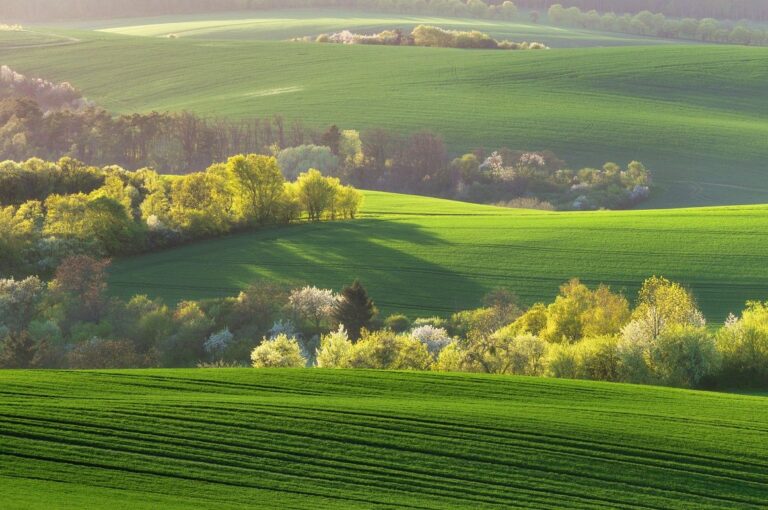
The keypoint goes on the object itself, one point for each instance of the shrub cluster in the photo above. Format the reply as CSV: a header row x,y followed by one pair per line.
x,y
585,333
429,36
49,211
656,24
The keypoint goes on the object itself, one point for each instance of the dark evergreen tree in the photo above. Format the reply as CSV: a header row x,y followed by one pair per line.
x,y
354,310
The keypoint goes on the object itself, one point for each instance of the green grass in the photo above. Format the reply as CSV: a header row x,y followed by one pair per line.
x,y
694,114
288,24
345,439
424,256
12,39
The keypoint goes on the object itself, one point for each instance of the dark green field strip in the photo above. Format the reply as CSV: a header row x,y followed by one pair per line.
x,y
424,256
379,440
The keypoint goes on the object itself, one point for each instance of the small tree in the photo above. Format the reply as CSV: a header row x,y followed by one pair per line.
x,y
334,349
282,352
313,305
354,310
81,281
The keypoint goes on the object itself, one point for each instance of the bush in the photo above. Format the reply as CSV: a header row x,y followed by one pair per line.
x,y
743,344
506,353
683,356
386,350
282,352
397,323
334,349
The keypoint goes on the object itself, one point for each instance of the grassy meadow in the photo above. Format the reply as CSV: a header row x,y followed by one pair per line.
x,y
357,439
694,114
424,256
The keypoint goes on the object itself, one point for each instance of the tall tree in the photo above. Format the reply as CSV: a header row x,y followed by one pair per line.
x,y
354,309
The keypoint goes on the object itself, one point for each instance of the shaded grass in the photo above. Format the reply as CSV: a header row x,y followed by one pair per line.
x,y
424,256
694,114
346,439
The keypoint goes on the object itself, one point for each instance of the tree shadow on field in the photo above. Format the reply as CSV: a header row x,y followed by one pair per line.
x,y
398,262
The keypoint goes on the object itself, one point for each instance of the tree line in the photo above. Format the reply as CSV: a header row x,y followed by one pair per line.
x,y
52,211
657,25
585,333
754,10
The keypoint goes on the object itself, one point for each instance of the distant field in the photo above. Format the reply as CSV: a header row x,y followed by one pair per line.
x,y
314,439
424,256
694,114
288,24
27,38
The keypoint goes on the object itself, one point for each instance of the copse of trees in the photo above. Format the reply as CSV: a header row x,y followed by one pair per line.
x,y
429,36
656,24
50,211
585,333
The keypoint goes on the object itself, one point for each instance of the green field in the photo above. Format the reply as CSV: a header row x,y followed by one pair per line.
x,y
694,114
11,39
424,256
355,439
288,24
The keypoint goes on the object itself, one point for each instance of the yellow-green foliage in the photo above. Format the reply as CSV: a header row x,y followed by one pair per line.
x,y
743,343
281,352
387,350
578,312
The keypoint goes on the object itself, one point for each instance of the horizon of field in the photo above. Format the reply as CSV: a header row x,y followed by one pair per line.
x,y
350,439
705,103
423,257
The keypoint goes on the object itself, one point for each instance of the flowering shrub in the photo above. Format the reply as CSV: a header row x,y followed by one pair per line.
x,y
282,352
436,339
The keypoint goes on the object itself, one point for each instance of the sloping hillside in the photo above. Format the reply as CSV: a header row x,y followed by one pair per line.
x,y
343,439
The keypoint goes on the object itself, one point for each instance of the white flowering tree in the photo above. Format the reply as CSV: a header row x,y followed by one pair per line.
x,y
436,339
313,305
218,342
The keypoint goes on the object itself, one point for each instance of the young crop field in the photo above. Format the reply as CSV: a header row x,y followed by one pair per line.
x,y
424,256
288,24
695,115
356,439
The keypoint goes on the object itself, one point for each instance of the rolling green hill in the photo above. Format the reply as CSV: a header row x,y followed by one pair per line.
x,y
424,256
288,24
694,114
344,439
